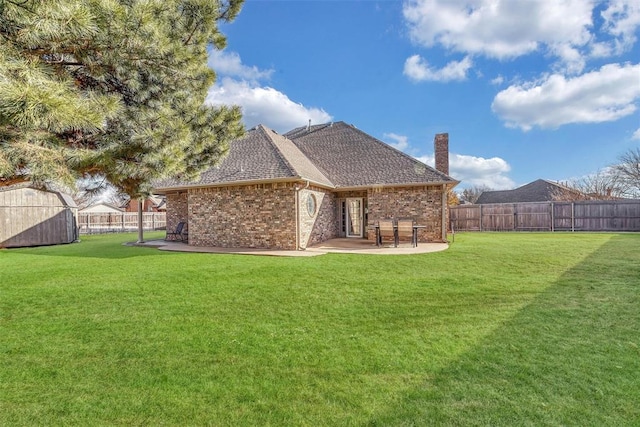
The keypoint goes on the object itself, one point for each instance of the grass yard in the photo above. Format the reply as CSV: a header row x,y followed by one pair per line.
x,y
501,329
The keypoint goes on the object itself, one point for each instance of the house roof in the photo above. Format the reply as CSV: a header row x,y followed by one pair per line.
x,y
537,191
335,155
351,158
157,201
102,207
261,155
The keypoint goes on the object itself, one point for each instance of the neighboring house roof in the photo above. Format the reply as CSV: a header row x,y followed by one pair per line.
x,y
158,202
161,204
333,155
537,191
102,208
352,158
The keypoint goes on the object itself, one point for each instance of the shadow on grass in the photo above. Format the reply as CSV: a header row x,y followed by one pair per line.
x,y
100,246
571,357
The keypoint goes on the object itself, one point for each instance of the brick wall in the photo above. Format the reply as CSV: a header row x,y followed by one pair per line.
x,y
256,216
264,216
323,224
177,210
423,204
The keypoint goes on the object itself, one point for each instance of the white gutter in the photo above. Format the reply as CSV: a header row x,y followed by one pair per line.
x,y
409,184
444,212
298,231
297,199
173,189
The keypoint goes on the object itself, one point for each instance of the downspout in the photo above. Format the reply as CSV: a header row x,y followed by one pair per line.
x,y
297,199
444,212
298,231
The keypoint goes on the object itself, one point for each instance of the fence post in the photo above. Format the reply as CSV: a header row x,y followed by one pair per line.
x,y
553,221
573,217
481,219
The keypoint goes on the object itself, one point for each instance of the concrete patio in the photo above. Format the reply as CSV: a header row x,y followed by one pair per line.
x,y
343,245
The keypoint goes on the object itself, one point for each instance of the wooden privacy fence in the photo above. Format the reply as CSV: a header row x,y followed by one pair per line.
x,y
588,215
97,222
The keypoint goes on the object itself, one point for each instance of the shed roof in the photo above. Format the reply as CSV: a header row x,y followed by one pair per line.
x,y
65,199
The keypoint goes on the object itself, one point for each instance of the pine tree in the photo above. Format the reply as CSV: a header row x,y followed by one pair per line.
x,y
111,88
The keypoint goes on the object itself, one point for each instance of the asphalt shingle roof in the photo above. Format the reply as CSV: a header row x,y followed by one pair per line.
x,y
261,154
352,158
537,191
335,155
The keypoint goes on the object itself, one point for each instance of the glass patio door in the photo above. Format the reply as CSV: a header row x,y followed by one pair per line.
x,y
354,217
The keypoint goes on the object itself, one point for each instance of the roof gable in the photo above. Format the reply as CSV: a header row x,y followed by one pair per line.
x,y
297,162
352,158
101,207
261,155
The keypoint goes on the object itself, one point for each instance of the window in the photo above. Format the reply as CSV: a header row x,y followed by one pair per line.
x,y
311,204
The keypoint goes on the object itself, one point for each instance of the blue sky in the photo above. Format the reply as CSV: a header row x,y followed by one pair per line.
x,y
526,89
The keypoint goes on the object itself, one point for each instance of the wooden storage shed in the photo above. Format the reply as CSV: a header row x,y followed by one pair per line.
x,y
34,217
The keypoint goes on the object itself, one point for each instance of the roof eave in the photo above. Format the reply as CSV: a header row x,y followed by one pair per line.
x,y
449,184
178,188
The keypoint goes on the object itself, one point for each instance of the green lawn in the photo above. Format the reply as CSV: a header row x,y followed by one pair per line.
x,y
501,329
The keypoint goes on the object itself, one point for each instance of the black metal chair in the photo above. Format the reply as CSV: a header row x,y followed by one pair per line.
x,y
179,232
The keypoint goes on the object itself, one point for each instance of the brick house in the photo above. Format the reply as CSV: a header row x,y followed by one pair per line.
x,y
150,204
309,185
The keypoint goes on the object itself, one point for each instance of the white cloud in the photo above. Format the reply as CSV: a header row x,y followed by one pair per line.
x,y
229,64
621,19
599,96
470,170
400,142
477,171
418,69
498,28
497,81
264,105
241,85
636,134
507,29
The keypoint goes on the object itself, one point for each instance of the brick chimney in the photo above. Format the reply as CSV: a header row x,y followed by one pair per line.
x,y
441,151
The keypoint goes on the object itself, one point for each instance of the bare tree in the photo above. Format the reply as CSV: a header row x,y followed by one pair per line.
x,y
471,194
603,185
89,191
628,172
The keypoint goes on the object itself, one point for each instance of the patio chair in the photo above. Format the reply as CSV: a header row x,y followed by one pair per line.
x,y
179,232
406,231
387,230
